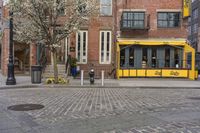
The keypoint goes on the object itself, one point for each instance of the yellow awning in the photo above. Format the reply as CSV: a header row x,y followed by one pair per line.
x,y
177,42
180,42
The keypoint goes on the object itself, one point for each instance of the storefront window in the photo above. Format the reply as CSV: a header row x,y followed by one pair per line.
x,y
131,57
167,57
176,57
154,58
122,57
144,57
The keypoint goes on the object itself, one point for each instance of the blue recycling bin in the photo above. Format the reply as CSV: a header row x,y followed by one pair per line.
x,y
73,71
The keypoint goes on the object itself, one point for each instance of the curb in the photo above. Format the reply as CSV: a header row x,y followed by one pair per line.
x,y
122,87
94,86
19,86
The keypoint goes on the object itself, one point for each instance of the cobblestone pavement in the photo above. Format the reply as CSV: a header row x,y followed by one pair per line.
x,y
108,110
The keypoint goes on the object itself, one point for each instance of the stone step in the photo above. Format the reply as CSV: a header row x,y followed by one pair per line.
x,y
49,75
49,72
51,67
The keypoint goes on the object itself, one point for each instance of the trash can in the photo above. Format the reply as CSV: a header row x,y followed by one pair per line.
x,y
36,74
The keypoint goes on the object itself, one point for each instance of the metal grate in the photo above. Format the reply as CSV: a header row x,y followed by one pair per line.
x,y
25,107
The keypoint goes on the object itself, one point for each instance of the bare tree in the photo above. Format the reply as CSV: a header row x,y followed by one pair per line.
x,y
50,21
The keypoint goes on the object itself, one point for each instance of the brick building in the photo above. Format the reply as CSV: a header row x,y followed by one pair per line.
x,y
132,38
194,29
21,51
1,6
148,36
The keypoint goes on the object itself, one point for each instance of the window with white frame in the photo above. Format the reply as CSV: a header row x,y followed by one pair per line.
x,y
81,46
106,7
105,47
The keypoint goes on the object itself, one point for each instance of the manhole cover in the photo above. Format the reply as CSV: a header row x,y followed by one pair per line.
x,y
194,98
26,107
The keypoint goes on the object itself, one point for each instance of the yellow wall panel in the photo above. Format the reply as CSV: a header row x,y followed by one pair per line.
x,y
141,73
125,73
133,73
120,73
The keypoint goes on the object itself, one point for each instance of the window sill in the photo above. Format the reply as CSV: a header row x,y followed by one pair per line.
x,y
166,28
106,16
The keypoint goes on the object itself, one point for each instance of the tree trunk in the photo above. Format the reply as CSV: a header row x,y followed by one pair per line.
x,y
55,67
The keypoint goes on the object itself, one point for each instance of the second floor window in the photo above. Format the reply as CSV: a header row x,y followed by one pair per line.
x,y
106,7
168,19
133,20
60,8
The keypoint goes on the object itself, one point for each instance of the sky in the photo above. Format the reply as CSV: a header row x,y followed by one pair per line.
x,y
5,1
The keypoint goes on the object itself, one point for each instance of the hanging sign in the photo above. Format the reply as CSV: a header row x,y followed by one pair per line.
x,y
186,8
72,49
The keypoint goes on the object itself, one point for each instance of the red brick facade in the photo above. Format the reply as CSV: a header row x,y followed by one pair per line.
x,y
112,23
5,51
151,7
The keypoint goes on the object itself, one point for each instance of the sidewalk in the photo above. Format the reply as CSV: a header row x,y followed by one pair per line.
x,y
25,82
141,83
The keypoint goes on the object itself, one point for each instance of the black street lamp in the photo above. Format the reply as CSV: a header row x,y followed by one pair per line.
x,y
11,77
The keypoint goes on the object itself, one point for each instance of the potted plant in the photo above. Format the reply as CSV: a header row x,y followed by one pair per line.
x,y
73,64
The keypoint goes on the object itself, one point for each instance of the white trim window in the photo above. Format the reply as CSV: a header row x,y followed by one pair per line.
x,y
82,46
105,47
106,7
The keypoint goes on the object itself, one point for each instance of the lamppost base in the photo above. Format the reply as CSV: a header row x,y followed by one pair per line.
x,y
11,81
11,77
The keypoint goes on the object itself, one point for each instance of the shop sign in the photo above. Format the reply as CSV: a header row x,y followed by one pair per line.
x,y
186,8
174,73
72,49
158,73
136,42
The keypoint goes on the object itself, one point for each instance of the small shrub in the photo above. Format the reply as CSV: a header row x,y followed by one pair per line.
x,y
52,80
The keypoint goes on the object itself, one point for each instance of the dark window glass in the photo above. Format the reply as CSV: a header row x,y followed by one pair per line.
x,y
177,58
133,20
144,57
84,43
167,57
131,57
154,57
122,57
108,46
79,47
168,19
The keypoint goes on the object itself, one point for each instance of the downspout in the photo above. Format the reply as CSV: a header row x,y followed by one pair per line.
x,y
115,38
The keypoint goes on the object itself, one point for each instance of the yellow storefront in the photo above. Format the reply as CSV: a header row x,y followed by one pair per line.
x,y
171,58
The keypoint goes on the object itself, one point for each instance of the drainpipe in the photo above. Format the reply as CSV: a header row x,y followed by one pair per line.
x,y
115,36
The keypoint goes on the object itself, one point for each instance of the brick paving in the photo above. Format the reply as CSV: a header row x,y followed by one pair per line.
x,y
109,110
181,127
94,102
